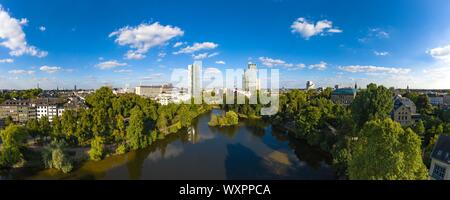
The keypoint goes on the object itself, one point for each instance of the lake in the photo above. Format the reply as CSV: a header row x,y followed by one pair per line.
x,y
252,150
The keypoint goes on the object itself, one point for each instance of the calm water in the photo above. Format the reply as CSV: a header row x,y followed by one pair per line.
x,y
253,150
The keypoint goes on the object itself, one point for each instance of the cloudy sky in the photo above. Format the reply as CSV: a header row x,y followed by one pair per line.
x,y
127,43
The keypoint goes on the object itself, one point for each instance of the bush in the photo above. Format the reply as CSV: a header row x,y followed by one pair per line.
x,y
97,149
55,156
121,149
9,157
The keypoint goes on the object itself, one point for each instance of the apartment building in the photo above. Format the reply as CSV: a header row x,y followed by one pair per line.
x,y
19,110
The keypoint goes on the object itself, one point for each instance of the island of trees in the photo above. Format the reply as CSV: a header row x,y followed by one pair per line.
x,y
231,118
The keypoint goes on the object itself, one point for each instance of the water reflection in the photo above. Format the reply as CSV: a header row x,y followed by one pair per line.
x,y
252,150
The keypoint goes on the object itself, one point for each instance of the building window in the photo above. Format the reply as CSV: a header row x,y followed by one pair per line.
x,y
438,172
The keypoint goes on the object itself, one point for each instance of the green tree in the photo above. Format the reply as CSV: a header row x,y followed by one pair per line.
x,y
33,127
55,156
84,126
13,138
308,122
423,105
45,127
69,124
100,122
232,118
385,151
8,121
419,128
57,131
97,148
375,102
119,131
136,138
101,98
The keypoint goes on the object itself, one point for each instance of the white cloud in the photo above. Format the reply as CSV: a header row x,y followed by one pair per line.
x,y
178,44
382,53
200,56
123,71
374,69
301,65
319,66
49,69
379,33
307,29
220,62
204,55
6,60
376,33
143,37
13,38
440,53
198,47
21,71
213,54
110,64
42,28
270,62
134,55
162,54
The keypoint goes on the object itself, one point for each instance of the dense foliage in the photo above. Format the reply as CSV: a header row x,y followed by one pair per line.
x,y
24,94
385,151
13,141
55,156
229,119
124,122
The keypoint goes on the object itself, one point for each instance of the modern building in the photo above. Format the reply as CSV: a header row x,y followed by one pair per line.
x,y
310,85
440,159
404,111
343,96
19,110
250,81
49,107
195,84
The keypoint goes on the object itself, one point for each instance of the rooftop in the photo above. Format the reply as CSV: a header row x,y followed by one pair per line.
x,y
441,149
344,91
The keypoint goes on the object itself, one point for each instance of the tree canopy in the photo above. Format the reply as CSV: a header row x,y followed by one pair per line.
x,y
385,151
375,102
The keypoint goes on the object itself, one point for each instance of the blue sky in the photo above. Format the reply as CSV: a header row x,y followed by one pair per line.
x,y
94,43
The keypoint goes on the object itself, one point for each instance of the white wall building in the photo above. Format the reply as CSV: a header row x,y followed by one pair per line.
x,y
48,107
49,110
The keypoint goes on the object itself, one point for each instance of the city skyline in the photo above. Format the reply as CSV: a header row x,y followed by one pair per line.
x,y
396,44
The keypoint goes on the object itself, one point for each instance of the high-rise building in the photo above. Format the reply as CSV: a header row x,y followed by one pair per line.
x,y
195,80
250,81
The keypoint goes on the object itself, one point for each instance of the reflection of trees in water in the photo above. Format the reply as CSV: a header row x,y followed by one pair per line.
x,y
230,131
313,156
256,127
136,159
242,163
